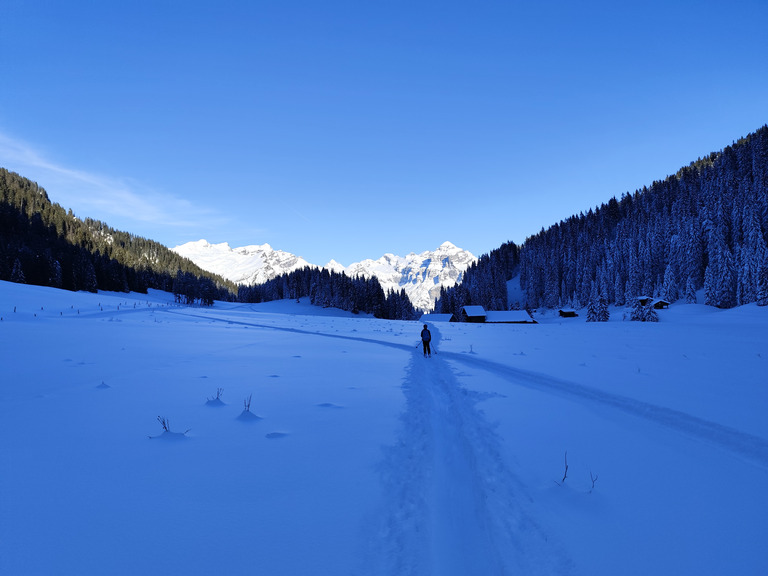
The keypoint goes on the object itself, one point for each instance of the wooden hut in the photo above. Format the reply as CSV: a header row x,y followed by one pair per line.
x,y
474,314
644,300
437,318
508,317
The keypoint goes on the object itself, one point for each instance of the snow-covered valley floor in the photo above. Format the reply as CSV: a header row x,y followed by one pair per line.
x,y
359,456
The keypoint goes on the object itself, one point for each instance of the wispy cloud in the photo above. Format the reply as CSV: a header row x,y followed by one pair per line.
x,y
300,215
99,196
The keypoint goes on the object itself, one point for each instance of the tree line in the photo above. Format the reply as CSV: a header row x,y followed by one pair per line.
x,y
327,288
42,243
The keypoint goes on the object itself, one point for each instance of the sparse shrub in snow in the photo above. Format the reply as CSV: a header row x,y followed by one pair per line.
x,y
216,400
246,414
167,434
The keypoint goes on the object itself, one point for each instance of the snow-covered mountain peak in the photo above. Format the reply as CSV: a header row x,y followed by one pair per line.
x,y
420,275
203,244
334,266
253,264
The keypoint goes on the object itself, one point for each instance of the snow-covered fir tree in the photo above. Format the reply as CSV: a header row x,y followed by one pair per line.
x,y
690,291
643,312
592,305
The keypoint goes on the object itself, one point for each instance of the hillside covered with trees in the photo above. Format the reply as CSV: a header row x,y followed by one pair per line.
x,y
331,289
42,243
704,227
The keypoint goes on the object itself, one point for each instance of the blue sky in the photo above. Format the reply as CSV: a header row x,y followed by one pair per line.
x,y
349,129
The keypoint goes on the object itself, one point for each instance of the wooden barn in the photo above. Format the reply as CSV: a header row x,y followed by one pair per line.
x,y
478,315
657,303
437,318
474,314
509,317
568,313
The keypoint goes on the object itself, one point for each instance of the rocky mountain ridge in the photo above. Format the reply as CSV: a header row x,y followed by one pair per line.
x,y
420,275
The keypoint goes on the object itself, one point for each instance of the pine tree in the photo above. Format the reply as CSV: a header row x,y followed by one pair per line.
x,y
669,286
719,281
690,291
592,306
57,279
644,312
17,274
603,314
637,311
762,283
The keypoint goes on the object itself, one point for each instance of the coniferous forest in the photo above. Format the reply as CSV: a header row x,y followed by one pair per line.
x,y
43,244
705,227
331,289
484,283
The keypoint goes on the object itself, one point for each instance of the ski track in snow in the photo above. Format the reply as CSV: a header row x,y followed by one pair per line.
x,y
449,504
742,444
748,446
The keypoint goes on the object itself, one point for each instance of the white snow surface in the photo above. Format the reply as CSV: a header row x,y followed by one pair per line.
x,y
420,275
360,456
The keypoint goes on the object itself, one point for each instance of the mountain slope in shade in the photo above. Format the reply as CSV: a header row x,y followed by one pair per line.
x,y
420,275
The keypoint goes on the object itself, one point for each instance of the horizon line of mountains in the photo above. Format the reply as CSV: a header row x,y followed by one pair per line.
x,y
421,275
704,227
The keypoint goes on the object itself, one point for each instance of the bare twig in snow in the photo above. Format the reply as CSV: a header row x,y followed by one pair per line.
x,y
594,479
565,473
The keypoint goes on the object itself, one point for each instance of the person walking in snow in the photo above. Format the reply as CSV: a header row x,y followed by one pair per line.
x,y
426,338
